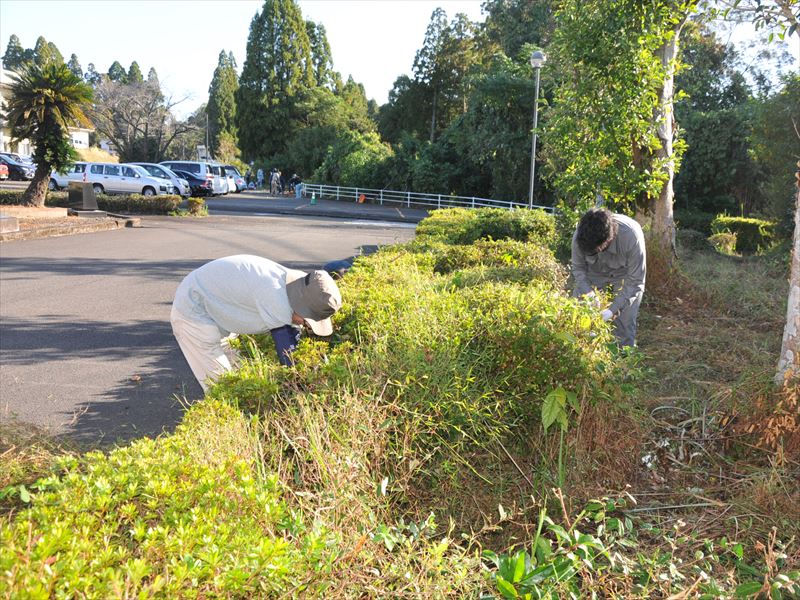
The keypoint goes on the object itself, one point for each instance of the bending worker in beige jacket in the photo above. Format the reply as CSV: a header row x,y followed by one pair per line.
x,y
247,294
608,251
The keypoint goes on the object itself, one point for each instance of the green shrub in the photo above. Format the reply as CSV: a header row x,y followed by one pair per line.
x,y
185,515
130,204
724,243
475,363
138,204
14,197
197,207
752,235
496,260
464,226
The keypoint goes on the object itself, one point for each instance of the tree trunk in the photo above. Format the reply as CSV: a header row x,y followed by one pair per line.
x,y
37,190
433,115
663,221
789,361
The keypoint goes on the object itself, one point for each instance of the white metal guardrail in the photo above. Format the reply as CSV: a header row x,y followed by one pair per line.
x,y
348,194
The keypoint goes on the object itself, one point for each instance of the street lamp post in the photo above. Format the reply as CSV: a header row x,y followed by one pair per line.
x,y
537,60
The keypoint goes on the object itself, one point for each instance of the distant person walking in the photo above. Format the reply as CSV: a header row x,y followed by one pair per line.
x,y
274,181
247,294
608,251
260,178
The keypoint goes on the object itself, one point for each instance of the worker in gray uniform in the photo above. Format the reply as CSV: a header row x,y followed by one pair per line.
x,y
608,251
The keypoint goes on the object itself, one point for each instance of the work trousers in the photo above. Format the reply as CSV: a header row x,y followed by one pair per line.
x,y
624,325
205,346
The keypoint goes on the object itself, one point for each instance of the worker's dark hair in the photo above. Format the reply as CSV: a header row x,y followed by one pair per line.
x,y
596,230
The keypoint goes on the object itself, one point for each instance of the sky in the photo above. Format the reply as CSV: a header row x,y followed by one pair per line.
x,y
373,40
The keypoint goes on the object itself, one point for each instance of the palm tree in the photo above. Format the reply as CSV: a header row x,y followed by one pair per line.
x,y
45,100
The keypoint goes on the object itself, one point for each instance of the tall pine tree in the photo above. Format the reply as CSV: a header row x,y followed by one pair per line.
x,y
278,66
15,54
321,59
46,52
222,101
116,72
75,66
135,73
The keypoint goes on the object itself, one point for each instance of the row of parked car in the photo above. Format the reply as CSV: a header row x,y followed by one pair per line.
x,y
180,177
16,167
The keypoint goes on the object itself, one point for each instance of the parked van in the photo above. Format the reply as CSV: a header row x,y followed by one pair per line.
x,y
201,169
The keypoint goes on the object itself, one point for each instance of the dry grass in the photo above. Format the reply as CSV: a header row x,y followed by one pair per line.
x,y
723,445
95,154
26,454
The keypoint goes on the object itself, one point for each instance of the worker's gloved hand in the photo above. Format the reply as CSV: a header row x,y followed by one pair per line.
x,y
607,315
592,299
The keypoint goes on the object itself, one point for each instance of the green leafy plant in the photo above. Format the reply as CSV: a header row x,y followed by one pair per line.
x,y
752,235
464,226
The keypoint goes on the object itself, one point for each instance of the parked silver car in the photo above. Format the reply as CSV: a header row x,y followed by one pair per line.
x,y
180,186
111,178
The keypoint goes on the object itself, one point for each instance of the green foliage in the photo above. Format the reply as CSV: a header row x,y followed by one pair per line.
x,y
138,204
354,160
752,235
464,226
14,55
125,204
495,132
513,24
469,364
724,242
775,146
277,66
45,100
694,241
602,134
494,260
221,105
134,74
117,73
182,515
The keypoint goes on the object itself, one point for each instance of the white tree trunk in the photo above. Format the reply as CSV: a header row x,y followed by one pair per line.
x,y
789,361
663,231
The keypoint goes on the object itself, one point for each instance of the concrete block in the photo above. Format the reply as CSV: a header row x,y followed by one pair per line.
x,y
8,224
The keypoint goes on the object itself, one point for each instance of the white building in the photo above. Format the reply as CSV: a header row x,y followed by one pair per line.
x,y
79,136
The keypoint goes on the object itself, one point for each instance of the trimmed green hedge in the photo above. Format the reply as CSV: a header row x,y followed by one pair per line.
x,y
752,235
127,204
464,225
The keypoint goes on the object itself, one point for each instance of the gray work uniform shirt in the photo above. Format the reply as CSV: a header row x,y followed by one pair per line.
x,y
623,265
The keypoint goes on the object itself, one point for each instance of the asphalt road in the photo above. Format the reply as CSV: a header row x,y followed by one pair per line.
x,y
86,348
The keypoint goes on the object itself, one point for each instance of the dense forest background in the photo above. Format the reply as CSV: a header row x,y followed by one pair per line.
x,y
461,123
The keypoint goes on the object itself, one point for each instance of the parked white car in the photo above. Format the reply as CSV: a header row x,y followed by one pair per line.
x,y
75,173
111,178
180,186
